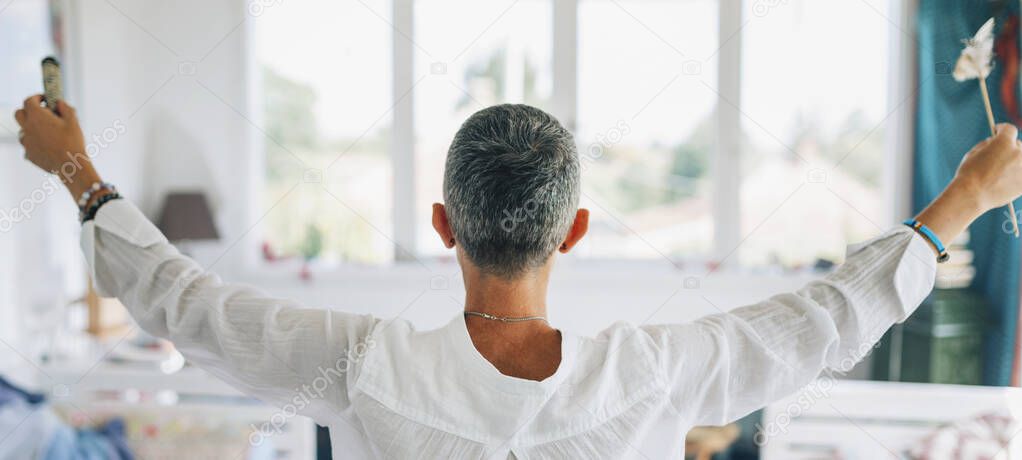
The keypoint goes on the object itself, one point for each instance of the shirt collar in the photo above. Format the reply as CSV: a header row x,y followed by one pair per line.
x,y
461,342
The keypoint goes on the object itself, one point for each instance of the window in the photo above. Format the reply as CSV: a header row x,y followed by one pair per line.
x,y
26,31
644,101
489,61
814,104
325,70
646,126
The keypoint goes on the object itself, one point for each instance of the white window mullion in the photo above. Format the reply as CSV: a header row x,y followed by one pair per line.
x,y
899,144
726,176
402,146
565,65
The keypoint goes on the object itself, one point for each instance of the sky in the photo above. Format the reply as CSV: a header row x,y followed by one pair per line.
x,y
341,48
826,57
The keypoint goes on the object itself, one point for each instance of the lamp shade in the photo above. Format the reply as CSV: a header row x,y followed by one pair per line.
x,y
186,216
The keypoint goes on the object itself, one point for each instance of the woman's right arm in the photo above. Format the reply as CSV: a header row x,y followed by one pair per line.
x,y
270,348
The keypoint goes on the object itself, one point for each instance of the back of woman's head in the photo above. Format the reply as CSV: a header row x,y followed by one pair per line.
x,y
511,188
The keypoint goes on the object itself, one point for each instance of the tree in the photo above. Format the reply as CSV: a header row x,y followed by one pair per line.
x,y
290,119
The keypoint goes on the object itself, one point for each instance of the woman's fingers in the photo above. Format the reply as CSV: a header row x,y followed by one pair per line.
x,y
34,104
67,112
1007,131
34,101
35,110
20,117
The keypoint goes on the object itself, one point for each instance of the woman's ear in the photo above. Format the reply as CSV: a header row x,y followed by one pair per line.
x,y
578,229
442,227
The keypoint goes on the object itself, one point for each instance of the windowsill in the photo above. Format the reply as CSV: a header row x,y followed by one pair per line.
x,y
589,295
611,274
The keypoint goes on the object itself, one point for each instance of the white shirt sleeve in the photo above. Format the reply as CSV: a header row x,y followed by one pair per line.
x,y
298,358
725,366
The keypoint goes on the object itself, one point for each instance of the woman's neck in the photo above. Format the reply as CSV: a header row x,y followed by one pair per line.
x,y
527,349
520,297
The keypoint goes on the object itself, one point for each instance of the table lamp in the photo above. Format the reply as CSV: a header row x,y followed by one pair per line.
x,y
186,217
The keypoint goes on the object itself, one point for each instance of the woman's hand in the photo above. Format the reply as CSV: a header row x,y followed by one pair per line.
x,y
990,176
54,142
993,169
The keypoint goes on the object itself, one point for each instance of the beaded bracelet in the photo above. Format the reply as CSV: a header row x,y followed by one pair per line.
x,y
925,232
91,213
87,195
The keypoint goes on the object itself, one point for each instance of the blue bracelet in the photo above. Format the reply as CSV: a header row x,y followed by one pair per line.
x,y
925,231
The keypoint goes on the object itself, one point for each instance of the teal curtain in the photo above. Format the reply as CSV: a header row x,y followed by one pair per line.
x,y
950,118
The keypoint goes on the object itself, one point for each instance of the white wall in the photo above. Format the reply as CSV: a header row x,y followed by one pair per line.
x,y
162,69
9,159
581,301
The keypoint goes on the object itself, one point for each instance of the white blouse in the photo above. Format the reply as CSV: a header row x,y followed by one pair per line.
x,y
387,390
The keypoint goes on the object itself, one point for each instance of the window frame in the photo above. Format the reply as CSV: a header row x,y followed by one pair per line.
x,y
725,165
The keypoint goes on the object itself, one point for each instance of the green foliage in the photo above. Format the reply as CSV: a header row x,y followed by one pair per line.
x,y
493,68
859,148
690,163
658,174
855,148
312,246
290,123
290,119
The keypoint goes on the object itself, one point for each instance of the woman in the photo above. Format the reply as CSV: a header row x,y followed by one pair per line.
x,y
499,381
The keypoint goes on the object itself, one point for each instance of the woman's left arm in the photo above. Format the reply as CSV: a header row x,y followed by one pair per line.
x,y
724,366
727,365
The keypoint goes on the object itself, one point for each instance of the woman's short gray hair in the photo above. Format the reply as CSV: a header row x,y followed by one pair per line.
x,y
511,188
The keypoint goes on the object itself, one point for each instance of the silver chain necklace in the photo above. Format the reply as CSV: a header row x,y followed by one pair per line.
x,y
505,319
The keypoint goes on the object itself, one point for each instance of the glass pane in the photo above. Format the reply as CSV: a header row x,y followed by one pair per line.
x,y
494,53
25,31
326,72
646,126
814,105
